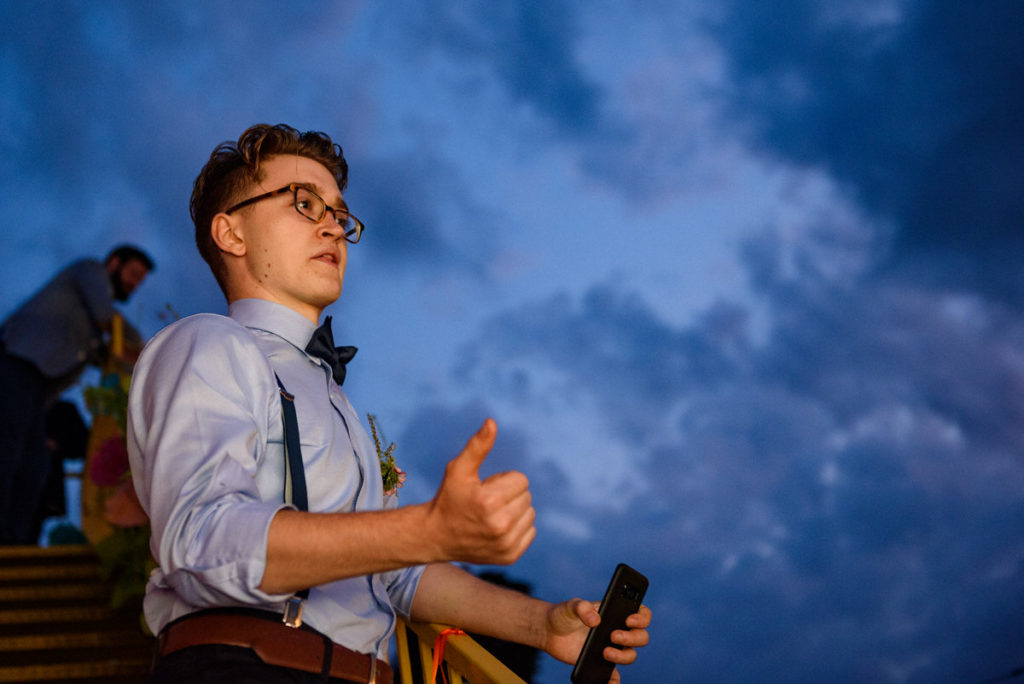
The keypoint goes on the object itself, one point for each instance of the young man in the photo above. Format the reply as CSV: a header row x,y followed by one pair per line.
x,y
45,344
208,421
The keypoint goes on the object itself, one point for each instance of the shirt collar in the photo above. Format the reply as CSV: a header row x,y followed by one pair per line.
x,y
272,317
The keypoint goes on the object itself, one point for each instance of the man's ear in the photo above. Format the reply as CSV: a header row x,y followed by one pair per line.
x,y
227,234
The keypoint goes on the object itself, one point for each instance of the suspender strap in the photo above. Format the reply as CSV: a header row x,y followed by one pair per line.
x,y
294,474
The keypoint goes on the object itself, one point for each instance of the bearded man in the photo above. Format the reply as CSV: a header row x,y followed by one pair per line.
x,y
45,344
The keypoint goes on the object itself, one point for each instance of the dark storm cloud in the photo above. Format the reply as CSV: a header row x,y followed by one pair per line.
x,y
527,46
614,342
106,77
400,206
422,214
839,501
918,111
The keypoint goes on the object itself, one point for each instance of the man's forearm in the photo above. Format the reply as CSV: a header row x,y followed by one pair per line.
x,y
308,549
449,595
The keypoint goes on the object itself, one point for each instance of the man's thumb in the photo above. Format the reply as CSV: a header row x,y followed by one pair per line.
x,y
473,454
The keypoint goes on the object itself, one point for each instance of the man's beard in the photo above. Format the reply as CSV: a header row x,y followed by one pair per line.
x,y
120,294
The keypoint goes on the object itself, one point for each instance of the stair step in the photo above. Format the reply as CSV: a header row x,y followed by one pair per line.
x,y
53,614
64,640
57,625
31,573
134,668
113,678
54,593
43,554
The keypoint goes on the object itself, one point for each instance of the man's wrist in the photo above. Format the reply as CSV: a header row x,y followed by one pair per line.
x,y
423,537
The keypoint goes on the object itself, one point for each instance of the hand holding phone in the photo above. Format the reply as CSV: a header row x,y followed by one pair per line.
x,y
623,597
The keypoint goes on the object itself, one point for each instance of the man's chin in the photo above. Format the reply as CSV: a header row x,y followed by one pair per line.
x,y
329,297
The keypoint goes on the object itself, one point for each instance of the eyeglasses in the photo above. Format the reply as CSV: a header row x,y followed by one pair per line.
x,y
313,207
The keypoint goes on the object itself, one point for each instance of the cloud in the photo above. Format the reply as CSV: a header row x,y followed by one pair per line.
x,y
526,46
423,215
914,109
839,501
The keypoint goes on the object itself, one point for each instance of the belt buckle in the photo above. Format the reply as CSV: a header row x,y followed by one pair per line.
x,y
292,612
373,669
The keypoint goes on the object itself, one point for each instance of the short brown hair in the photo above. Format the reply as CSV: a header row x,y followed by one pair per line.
x,y
234,167
126,253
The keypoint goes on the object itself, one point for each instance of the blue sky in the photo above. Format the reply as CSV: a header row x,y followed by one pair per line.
x,y
739,281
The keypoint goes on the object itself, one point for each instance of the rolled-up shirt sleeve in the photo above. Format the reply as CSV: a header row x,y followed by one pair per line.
x,y
401,586
199,407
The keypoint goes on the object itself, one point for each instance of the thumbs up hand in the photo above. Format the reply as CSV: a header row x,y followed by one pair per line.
x,y
481,521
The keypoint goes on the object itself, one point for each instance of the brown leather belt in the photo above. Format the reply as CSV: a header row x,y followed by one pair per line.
x,y
275,644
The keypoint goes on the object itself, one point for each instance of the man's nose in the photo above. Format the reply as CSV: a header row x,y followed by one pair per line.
x,y
329,227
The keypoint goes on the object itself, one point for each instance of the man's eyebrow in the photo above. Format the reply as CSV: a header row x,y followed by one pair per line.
x,y
313,187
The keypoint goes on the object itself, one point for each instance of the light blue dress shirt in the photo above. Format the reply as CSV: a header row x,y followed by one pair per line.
x,y
205,442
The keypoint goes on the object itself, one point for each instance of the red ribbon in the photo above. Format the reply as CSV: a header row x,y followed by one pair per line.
x,y
439,643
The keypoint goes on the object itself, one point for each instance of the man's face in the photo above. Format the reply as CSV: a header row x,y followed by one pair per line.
x,y
289,259
126,276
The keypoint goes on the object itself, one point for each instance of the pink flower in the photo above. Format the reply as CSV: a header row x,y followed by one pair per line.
x,y
398,485
109,462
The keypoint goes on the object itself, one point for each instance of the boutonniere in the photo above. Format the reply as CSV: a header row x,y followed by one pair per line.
x,y
392,475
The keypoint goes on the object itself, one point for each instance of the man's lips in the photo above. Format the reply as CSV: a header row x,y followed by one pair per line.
x,y
328,257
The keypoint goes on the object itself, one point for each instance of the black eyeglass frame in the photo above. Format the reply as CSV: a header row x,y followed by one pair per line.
x,y
357,226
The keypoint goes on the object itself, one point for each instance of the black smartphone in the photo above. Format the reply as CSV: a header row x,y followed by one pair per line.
x,y
622,598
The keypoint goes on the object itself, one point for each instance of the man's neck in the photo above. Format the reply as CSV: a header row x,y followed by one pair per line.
x,y
310,311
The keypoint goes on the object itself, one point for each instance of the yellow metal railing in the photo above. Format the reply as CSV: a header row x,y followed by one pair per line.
x,y
467,660
116,337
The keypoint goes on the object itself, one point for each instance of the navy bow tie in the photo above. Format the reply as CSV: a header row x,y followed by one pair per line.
x,y
322,346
